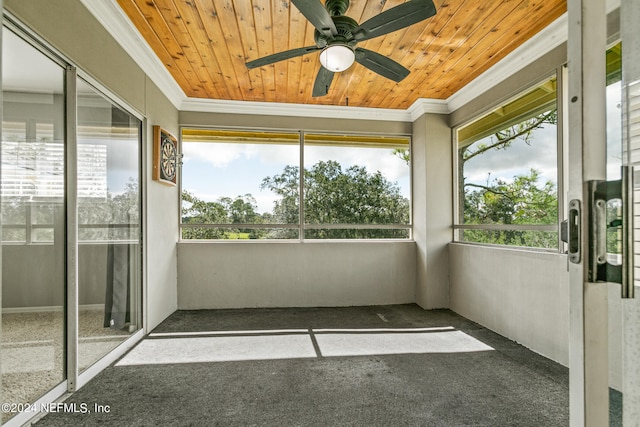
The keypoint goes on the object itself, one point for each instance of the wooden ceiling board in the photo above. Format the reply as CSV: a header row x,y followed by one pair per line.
x,y
415,48
476,38
490,49
192,26
197,59
143,24
205,45
217,43
280,20
450,44
165,22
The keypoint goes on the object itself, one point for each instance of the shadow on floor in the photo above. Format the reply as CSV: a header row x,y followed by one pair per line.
x,y
414,368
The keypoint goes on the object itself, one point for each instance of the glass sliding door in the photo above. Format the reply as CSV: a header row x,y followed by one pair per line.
x,y
604,146
47,172
108,225
615,161
33,238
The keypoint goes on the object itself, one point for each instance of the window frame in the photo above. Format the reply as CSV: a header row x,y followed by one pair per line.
x,y
458,226
301,226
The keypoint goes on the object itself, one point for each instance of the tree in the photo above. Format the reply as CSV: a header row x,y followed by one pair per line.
x,y
286,185
336,196
196,211
241,210
114,217
522,201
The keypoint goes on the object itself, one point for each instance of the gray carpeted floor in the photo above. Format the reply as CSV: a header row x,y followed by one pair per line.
x,y
33,345
506,386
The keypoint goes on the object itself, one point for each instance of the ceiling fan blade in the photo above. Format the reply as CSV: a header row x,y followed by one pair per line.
x,y
315,13
395,18
281,56
322,83
380,64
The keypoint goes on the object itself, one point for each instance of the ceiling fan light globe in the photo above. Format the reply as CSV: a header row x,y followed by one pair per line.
x,y
337,58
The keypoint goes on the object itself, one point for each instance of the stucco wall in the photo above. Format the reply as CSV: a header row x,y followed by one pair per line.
x,y
294,274
522,295
432,208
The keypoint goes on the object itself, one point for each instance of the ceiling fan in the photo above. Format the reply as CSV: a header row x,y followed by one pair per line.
x,y
337,35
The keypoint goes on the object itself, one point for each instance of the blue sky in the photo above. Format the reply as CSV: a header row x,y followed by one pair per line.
x,y
541,153
211,171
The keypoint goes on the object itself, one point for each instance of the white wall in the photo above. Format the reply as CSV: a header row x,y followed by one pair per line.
x,y
294,274
162,214
522,295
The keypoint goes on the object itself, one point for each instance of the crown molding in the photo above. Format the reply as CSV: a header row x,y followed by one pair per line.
x,y
427,105
293,110
114,20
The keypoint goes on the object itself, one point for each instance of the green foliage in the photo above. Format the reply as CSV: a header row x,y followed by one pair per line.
x,y
241,210
121,209
403,154
287,186
332,196
336,196
114,217
521,201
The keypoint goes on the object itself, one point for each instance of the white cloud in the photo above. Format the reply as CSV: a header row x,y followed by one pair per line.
x,y
518,159
220,155
373,159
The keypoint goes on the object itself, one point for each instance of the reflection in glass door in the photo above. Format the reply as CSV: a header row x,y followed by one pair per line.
x,y
623,146
33,238
42,184
630,336
109,225
614,231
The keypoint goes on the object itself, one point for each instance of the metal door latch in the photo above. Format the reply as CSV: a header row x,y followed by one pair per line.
x,y
609,221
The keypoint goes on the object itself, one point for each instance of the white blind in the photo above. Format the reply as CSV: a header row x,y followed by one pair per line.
x,y
36,169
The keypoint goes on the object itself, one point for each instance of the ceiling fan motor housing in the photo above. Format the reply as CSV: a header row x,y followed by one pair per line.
x,y
345,26
336,7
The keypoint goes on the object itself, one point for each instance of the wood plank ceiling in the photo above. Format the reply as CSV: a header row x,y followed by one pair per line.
x,y
205,44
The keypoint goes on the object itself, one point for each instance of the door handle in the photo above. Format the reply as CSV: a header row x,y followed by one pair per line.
x,y
573,231
628,285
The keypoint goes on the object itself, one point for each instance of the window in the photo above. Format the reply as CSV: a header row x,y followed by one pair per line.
x,y
508,174
240,184
224,195
351,181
